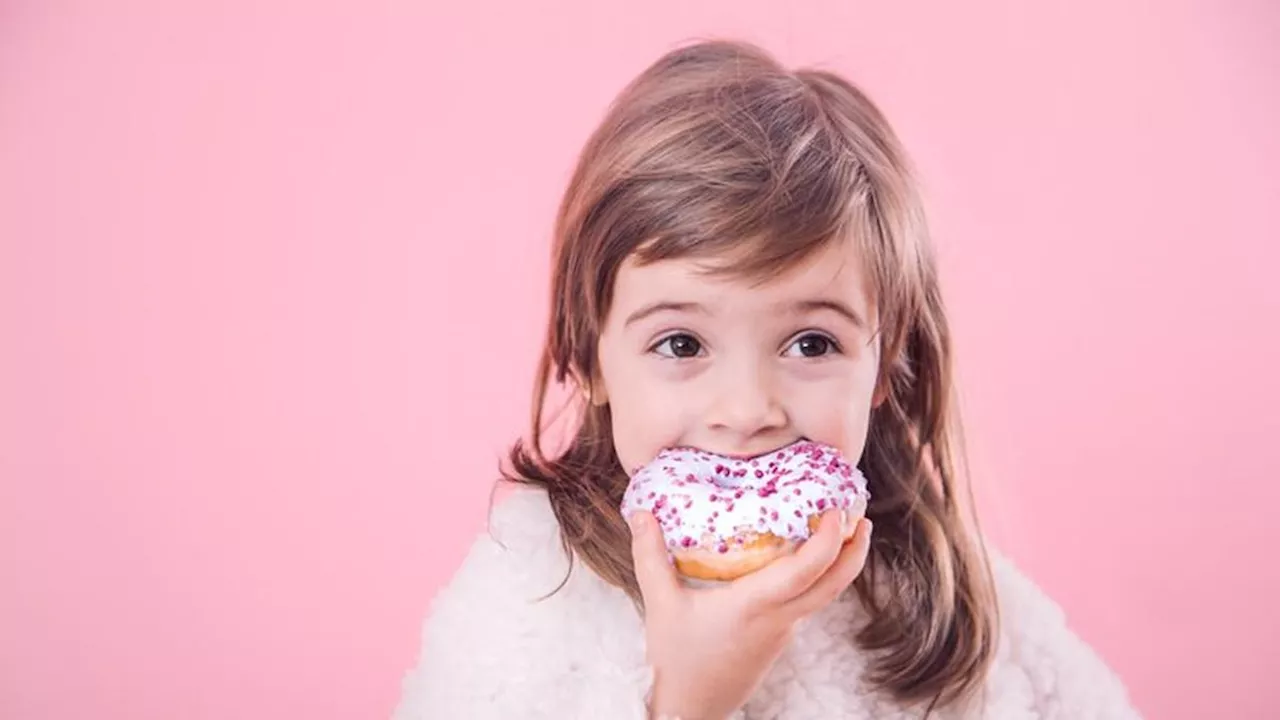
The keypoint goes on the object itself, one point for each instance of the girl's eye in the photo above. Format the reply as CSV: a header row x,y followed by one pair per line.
x,y
812,345
679,346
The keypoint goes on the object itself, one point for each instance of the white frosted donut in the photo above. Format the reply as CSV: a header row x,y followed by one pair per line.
x,y
725,517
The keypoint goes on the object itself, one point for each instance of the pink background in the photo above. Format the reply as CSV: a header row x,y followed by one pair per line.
x,y
271,283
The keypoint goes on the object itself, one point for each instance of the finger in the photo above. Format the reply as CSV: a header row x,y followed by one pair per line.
x,y
842,573
789,576
654,573
856,511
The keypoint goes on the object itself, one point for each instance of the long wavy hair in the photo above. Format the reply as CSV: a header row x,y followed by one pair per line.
x,y
718,150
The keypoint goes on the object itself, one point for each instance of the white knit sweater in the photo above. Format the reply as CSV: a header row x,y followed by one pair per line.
x,y
491,649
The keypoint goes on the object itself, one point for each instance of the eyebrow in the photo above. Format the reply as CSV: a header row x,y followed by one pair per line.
x,y
835,306
658,307
797,308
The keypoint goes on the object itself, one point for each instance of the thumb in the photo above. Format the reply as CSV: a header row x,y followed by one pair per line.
x,y
654,573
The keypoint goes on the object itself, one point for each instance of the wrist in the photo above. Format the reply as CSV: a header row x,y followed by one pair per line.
x,y
663,705
659,704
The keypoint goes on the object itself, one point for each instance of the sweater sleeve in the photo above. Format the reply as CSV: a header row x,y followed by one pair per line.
x,y
494,646
1068,679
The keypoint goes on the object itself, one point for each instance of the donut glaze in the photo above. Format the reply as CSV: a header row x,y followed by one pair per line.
x,y
722,517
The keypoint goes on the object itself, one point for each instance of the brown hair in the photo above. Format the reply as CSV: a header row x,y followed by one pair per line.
x,y
717,150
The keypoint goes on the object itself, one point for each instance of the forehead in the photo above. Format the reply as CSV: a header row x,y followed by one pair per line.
x,y
834,271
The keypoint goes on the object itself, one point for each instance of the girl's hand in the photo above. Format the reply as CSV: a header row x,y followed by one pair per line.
x,y
711,648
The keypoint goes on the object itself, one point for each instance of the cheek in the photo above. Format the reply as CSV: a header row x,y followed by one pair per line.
x,y
854,433
647,415
834,408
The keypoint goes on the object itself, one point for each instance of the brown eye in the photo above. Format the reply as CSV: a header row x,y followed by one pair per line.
x,y
811,345
679,346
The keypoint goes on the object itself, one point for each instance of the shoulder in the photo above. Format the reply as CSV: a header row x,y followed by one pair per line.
x,y
509,568
516,621
1041,662
520,549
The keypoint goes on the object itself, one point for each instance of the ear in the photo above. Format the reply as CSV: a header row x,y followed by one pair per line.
x,y
884,382
881,394
884,386
597,395
592,390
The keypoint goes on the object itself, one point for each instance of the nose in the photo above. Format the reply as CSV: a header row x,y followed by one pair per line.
x,y
746,402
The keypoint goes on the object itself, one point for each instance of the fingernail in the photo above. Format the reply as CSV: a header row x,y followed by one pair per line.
x,y
637,527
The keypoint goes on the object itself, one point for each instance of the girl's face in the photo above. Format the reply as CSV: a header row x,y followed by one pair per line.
x,y
739,368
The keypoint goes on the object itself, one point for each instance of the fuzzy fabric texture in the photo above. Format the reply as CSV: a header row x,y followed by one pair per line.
x,y
492,648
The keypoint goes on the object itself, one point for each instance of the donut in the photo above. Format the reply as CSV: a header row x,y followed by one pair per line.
x,y
724,517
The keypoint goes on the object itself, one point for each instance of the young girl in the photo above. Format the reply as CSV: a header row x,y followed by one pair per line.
x,y
741,261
